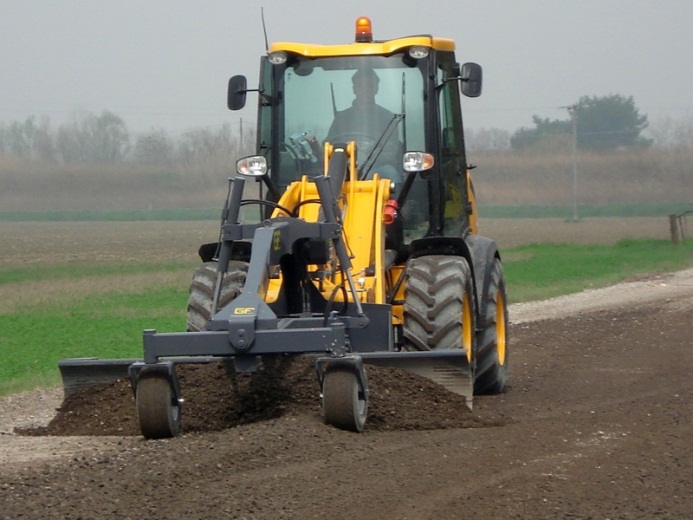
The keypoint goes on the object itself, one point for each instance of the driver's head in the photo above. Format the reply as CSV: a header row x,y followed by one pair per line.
x,y
365,83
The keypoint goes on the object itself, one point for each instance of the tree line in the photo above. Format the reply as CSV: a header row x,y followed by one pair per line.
x,y
105,138
598,124
594,123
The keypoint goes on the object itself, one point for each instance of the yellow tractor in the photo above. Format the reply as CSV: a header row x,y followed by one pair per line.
x,y
359,245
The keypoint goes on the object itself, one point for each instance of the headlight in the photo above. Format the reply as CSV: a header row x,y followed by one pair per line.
x,y
277,58
417,52
253,166
418,161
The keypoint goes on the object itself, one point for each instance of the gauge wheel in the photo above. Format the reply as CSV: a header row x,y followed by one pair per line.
x,y
158,408
344,402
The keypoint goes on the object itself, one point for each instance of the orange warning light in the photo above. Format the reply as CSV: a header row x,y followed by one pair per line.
x,y
364,32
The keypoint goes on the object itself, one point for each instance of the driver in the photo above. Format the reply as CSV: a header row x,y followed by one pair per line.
x,y
366,121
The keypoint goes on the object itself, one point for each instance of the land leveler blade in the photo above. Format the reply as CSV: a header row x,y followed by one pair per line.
x,y
448,368
80,373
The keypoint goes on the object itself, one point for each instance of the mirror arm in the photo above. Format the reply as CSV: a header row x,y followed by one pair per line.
x,y
446,80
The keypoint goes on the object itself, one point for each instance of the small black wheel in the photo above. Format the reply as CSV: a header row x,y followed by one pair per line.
x,y
344,403
158,409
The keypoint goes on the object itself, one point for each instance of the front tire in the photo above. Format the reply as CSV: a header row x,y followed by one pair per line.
x,y
439,312
202,291
492,355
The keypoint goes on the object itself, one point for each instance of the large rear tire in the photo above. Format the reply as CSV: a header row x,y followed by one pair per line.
x,y
439,311
202,291
492,355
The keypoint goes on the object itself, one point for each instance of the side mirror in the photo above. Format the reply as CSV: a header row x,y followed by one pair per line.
x,y
471,79
238,86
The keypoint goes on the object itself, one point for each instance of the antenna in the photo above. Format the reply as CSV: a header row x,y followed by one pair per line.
x,y
264,28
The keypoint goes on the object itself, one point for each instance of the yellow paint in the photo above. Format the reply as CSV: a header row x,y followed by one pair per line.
x,y
384,48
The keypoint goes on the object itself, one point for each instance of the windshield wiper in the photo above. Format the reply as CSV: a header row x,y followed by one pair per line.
x,y
380,145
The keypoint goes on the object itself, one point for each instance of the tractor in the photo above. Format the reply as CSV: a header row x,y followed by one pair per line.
x,y
351,236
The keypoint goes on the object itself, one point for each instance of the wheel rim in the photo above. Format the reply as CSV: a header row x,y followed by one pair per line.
x,y
500,327
467,332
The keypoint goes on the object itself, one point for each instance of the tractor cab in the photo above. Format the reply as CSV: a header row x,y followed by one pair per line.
x,y
397,100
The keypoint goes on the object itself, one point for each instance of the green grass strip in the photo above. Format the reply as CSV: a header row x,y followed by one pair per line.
x,y
545,270
106,326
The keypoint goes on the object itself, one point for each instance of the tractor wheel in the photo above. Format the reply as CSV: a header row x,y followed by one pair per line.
x,y
439,305
492,354
344,404
158,409
202,291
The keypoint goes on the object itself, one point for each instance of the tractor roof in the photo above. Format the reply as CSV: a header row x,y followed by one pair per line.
x,y
376,48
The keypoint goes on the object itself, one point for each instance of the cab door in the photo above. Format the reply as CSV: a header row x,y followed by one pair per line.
x,y
453,161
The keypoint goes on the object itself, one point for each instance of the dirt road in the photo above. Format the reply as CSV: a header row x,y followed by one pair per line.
x,y
597,424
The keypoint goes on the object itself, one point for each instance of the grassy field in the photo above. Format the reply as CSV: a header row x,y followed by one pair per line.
x,y
33,339
85,289
541,271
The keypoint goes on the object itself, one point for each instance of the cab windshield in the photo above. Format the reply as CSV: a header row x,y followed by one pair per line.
x,y
376,101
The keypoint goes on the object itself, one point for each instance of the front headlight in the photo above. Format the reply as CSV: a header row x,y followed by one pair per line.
x,y
418,161
418,52
253,166
277,58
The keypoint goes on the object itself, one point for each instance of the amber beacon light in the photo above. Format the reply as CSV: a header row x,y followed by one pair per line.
x,y
364,32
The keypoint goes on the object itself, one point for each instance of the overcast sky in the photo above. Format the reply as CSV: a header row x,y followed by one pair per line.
x,y
166,63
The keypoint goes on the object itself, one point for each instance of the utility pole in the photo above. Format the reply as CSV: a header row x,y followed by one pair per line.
x,y
572,110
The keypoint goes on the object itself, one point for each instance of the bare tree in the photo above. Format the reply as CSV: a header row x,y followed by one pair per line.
x,y
487,140
153,147
672,133
92,138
